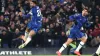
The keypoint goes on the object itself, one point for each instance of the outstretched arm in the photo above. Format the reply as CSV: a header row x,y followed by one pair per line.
x,y
88,24
26,16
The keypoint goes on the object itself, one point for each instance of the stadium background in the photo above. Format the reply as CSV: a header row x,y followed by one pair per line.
x,y
55,15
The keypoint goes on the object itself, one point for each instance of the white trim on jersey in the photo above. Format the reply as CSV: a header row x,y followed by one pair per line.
x,y
30,12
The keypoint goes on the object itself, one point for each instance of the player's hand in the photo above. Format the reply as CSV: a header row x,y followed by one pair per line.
x,y
20,13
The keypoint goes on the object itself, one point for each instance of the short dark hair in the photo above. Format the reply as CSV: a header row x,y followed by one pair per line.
x,y
86,9
34,2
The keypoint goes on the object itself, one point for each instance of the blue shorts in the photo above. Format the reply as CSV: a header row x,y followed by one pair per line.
x,y
33,26
75,33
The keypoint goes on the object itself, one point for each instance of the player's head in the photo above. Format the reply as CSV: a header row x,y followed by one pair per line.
x,y
33,3
85,12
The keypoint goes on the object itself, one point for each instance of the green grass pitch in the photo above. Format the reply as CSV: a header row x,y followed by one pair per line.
x,y
56,55
62,55
44,55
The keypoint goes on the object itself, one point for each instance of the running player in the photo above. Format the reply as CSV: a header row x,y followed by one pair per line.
x,y
75,31
34,25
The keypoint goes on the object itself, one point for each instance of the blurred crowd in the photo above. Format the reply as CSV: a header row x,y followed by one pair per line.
x,y
54,24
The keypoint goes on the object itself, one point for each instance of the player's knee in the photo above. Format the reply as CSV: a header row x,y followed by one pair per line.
x,y
84,39
32,32
68,41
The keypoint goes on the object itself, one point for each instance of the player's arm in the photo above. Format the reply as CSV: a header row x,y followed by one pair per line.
x,y
73,18
70,23
88,24
26,16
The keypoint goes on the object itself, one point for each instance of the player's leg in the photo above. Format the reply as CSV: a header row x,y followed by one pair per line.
x,y
32,33
97,52
83,41
71,36
27,32
64,46
24,37
29,38
83,37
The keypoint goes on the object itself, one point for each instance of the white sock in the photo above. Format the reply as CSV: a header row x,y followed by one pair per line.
x,y
62,48
26,34
79,46
98,50
28,40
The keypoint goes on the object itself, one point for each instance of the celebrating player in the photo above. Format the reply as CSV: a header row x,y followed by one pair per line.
x,y
80,20
34,25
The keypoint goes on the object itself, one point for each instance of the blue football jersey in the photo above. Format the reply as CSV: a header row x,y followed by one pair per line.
x,y
36,16
35,12
79,19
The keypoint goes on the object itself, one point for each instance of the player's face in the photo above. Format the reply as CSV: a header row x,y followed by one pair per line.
x,y
85,12
32,4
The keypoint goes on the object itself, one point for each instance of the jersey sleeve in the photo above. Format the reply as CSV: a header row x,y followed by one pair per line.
x,y
73,17
28,15
30,12
88,24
